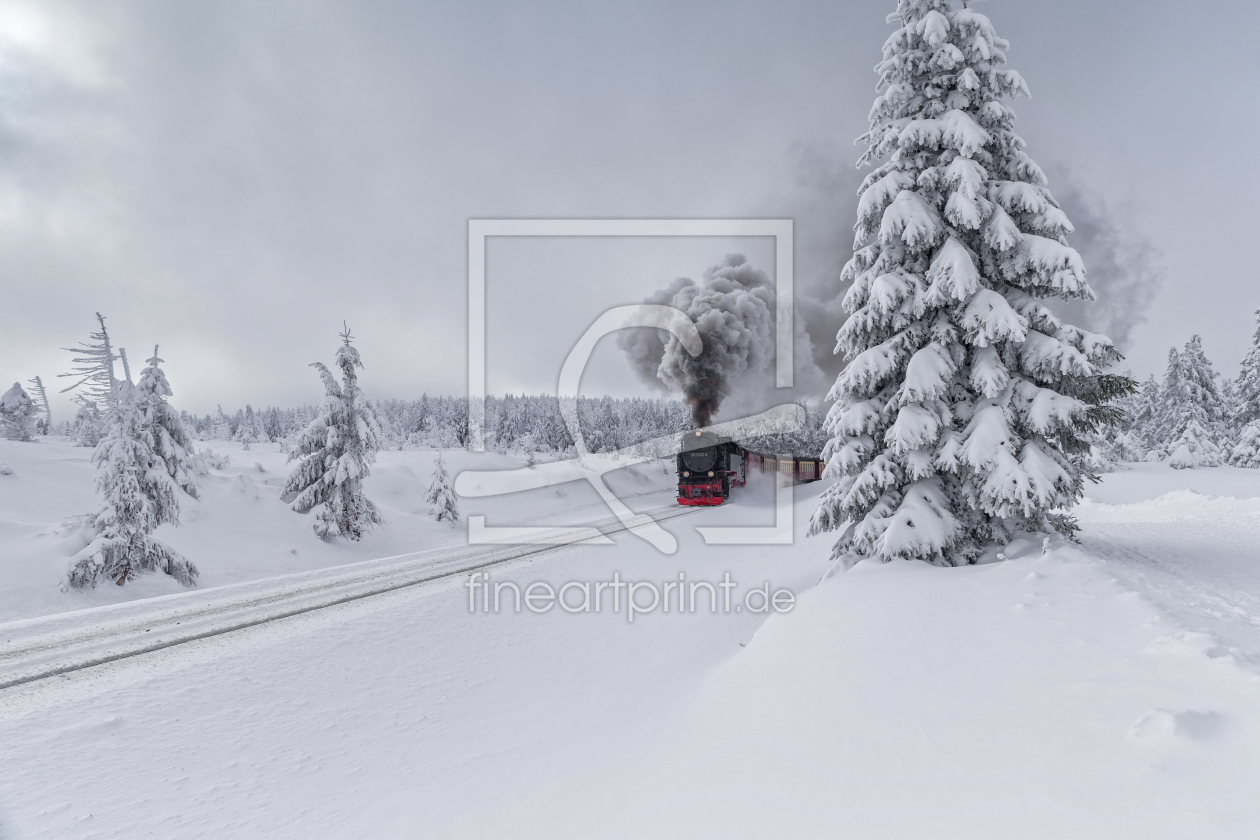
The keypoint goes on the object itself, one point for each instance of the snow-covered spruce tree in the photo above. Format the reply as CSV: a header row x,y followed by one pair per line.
x,y
966,405
1120,442
441,496
1172,411
1189,395
1229,408
1194,447
139,496
41,402
17,414
1141,418
1249,381
271,425
94,368
335,452
1246,416
1126,446
172,444
222,429
1246,452
250,430
1202,387
88,425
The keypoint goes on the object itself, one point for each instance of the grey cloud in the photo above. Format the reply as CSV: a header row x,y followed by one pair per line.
x,y
232,179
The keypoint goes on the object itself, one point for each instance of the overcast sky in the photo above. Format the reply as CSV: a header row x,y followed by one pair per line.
x,y
232,180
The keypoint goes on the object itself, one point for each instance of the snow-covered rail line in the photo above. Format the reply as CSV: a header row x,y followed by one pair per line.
x,y
49,646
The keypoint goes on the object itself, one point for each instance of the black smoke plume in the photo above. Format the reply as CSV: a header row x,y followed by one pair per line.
x,y
733,309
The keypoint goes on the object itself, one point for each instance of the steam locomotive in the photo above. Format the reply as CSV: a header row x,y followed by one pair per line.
x,y
710,465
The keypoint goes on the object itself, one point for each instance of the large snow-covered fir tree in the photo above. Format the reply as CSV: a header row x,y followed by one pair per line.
x,y
139,496
965,408
171,442
17,414
336,452
441,497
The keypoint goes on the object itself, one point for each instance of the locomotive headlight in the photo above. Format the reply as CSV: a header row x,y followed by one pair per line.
x,y
710,473
686,474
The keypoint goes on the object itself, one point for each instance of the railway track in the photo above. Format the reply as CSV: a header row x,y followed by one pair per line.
x,y
49,646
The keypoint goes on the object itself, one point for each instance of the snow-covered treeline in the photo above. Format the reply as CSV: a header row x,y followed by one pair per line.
x,y
1193,417
527,423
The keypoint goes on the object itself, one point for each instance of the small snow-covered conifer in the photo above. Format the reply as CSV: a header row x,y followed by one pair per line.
x,y
171,441
1194,448
336,452
139,496
41,403
17,414
1146,410
222,427
1230,409
250,430
1189,395
1201,385
1170,413
1249,381
271,425
441,496
1246,452
88,425
965,409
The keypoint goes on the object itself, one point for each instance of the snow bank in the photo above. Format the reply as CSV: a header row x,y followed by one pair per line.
x,y
1176,504
1148,481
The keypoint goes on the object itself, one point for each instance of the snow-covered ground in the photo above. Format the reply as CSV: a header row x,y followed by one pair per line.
x,y
239,530
1188,539
1102,690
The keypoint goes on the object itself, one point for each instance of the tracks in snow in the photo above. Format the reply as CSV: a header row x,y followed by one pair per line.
x,y
39,648
1204,570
